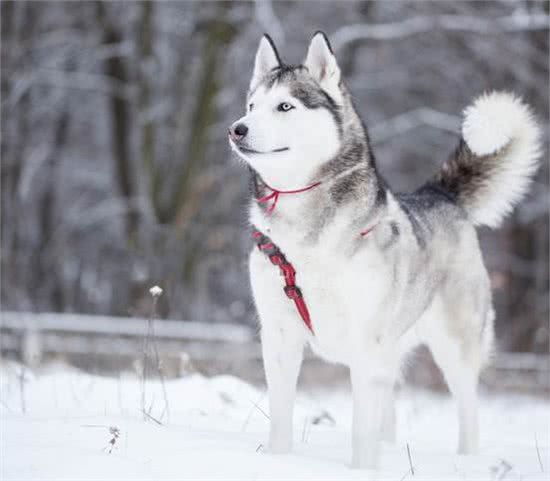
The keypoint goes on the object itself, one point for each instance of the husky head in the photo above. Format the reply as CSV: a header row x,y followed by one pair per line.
x,y
293,121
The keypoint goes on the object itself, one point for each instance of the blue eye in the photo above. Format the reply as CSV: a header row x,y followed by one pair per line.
x,y
284,107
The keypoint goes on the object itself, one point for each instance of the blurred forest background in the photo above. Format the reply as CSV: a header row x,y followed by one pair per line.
x,y
116,173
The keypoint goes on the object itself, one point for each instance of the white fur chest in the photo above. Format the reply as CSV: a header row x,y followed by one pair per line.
x,y
342,293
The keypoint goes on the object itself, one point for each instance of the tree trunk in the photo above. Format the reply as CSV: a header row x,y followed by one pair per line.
x,y
120,135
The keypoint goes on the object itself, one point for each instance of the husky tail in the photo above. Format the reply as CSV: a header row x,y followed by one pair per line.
x,y
496,159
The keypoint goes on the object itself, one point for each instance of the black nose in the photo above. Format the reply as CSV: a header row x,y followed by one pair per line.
x,y
238,132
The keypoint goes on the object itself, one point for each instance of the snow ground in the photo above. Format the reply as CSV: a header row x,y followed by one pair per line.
x,y
214,431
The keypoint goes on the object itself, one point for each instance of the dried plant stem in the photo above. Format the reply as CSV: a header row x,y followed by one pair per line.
x,y
149,344
254,405
158,363
410,459
22,381
144,372
538,453
152,418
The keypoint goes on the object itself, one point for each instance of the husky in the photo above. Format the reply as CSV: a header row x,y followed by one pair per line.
x,y
369,274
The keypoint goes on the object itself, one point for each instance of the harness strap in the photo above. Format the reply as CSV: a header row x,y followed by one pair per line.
x,y
277,258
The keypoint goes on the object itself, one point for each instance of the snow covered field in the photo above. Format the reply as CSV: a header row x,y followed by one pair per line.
x,y
217,426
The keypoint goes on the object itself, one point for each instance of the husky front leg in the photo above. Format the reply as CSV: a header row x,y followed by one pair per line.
x,y
282,354
372,384
388,425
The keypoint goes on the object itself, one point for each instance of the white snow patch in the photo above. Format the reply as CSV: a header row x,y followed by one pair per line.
x,y
215,432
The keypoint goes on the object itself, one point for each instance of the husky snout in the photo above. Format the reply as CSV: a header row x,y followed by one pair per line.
x,y
238,131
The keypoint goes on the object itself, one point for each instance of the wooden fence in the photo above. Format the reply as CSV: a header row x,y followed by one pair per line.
x,y
111,344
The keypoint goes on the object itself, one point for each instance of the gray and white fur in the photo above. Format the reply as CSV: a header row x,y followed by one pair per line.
x,y
416,278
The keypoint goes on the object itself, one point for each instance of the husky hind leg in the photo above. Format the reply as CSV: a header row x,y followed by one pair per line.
x,y
462,378
389,421
461,359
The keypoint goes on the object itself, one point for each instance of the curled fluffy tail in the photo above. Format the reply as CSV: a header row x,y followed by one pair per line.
x,y
496,159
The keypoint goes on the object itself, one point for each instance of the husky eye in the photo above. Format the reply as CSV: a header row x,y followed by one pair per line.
x,y
284,107
250,107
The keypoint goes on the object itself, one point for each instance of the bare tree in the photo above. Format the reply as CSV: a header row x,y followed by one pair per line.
x,y
116,173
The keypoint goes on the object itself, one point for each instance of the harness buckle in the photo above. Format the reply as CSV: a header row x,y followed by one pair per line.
x,y
288,272
277,260
269,249
293,292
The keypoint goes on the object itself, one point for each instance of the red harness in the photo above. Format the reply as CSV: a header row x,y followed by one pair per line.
x,y
275,193
277,258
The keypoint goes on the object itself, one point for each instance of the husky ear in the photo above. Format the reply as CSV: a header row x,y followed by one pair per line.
x,y
267,58
321,63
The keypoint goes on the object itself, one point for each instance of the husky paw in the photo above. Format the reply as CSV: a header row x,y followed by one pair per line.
x,y
467,451
368,462
279,447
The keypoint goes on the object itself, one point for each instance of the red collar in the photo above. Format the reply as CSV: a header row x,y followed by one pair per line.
x,y
277,258
275,193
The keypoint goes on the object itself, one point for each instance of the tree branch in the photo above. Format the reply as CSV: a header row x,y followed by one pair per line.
x,y
410,120
269,22
518,22
92,82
